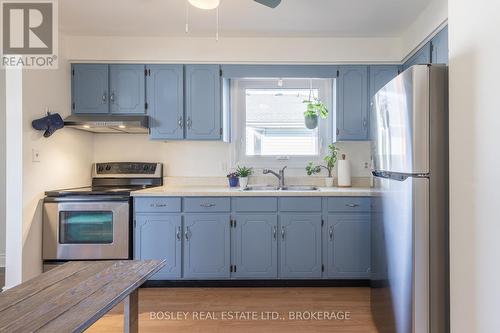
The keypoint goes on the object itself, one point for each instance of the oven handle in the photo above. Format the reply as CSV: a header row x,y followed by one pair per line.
x,y
89,198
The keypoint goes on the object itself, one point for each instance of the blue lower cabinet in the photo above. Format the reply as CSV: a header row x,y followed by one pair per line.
x,y
348,246
159,236
300,246
255,246
206,246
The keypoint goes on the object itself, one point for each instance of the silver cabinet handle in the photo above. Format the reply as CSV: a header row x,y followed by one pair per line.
x,y
178,234
181,122
186,233
189,122
365,123
112,97
207,205
352,205
274,233
330,232
104,97
283,233
158,205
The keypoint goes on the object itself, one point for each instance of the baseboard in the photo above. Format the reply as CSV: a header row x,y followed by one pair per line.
x,y
2,259
253,283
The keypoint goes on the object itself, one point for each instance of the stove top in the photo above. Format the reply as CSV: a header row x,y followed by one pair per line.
x,y
94,190
116,179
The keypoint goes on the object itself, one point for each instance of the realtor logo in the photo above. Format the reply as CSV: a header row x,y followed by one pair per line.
x,y
29,34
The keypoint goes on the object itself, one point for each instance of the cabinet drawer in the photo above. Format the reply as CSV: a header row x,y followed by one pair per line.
x,y
255,204
207,204
157,205
300,204
349,204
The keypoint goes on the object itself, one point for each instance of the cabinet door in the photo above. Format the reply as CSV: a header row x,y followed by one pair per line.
x,y
439,47
300,246
89,88
352,107
203,102
348,246
165,96
255,246
423,56
206,246
127,89
160,237
380,76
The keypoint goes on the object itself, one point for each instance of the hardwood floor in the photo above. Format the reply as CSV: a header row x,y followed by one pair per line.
x,y
205,308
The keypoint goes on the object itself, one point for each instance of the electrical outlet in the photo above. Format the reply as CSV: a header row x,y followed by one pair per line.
x,y
367,165
35,155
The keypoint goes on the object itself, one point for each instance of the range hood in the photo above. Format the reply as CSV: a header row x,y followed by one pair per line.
x,y
109,124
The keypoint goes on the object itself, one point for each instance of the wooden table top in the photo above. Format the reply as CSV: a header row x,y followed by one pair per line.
x,y
73,296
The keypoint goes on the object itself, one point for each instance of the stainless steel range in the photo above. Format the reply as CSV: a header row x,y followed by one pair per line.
x,y
95,222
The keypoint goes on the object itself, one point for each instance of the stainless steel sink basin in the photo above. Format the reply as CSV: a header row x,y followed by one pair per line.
x,y
261,188
276,188
299,188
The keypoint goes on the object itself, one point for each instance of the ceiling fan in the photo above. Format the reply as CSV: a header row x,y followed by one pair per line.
x,y
269,3
212,4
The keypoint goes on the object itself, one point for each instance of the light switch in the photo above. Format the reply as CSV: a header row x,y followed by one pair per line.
x,y
35,155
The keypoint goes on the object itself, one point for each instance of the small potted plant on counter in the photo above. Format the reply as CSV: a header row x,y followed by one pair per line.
x,y
233,178
315,109
330,161
244,173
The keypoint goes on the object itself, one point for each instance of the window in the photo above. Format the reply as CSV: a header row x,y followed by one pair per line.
x,y
268,118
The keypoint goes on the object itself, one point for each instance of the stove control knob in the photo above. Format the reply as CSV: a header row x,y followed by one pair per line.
x,y
100,168
146,168
108,167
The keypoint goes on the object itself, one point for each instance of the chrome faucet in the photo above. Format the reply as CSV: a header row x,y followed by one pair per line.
x,y
280,175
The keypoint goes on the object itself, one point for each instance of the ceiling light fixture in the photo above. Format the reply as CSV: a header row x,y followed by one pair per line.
x,y
205,4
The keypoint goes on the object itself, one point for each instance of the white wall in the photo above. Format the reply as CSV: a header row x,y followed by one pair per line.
x,y
198,159
65,157
474,165
426,24
237,50
2,167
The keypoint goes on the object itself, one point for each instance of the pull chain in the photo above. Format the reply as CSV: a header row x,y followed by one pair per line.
x,y
217,24
187,17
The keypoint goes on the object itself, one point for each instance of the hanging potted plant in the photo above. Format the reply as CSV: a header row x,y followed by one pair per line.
x,y
315,109
330,161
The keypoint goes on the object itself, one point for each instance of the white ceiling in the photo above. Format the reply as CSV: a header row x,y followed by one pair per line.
x,y
240,18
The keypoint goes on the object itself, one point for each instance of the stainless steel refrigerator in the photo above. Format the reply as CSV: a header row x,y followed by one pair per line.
x,y
410,256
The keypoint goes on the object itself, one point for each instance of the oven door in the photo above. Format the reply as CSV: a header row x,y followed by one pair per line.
x,y
79,230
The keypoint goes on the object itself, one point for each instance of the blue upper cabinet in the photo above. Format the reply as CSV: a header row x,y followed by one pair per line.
x,y
165,91
203,102
127,89
352,103
423,56
439,47
89,88
380,76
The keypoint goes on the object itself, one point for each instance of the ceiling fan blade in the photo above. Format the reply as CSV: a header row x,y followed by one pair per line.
x,y
269,3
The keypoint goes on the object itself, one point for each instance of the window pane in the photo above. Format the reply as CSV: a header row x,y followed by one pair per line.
x,y
275,123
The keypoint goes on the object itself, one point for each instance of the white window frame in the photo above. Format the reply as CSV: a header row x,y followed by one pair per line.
x,y
238,117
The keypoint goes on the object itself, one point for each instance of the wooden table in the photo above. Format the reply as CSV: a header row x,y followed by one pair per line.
x,y
72,297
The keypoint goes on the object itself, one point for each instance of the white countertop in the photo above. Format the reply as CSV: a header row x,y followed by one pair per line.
x,y
206,191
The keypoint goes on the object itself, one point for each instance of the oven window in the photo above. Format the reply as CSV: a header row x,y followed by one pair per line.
x,y
86,227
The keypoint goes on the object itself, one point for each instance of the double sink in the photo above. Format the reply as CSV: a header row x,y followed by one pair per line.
x,y
277,188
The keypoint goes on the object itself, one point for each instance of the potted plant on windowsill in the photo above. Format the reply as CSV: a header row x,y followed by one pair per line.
x,y
315,109
244,173
330,161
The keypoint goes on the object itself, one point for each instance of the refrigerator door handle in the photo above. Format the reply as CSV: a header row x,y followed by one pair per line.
x,y
397,175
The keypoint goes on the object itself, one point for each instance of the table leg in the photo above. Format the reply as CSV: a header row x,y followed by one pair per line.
x,y
131,313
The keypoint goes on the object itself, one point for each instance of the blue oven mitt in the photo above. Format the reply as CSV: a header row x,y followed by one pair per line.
x,y
50,123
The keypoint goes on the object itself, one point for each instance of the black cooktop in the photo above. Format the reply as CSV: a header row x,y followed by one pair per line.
x,y
94,190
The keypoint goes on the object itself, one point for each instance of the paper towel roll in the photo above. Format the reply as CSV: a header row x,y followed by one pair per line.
x,y
344,173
